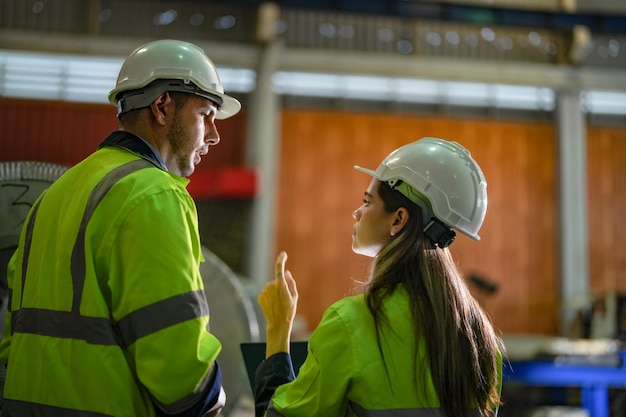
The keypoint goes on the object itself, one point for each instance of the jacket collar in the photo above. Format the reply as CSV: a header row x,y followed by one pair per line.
x,y
134,144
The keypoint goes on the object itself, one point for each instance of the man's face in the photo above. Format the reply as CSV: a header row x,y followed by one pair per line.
x,y
192,131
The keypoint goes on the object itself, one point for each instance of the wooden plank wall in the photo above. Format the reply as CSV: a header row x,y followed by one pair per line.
x,y
606,172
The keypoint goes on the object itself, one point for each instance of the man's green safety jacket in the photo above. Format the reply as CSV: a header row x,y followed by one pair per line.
x,y
107,313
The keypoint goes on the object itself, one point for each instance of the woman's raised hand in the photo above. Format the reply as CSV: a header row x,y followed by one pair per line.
x,y
279,300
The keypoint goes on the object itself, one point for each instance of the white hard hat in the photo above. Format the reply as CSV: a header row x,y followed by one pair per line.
x,y
442,175
169,65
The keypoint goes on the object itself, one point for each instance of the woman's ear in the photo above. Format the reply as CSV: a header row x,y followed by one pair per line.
x,y
401,217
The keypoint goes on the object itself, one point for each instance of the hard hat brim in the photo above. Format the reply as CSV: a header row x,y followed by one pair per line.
x,y
367,171
230,107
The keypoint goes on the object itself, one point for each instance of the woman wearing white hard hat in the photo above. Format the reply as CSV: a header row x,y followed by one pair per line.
x,y
415,343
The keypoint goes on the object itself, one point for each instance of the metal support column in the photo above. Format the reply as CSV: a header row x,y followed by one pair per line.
x,y
572,214
263,151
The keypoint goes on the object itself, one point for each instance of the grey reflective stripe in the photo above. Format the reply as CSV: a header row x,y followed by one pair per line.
x,y
398,412
27,242
162,314
392,412
63,324
14,408
406,412
97,194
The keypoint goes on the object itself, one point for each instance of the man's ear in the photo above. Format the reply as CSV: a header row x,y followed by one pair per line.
x,y
400,220
161,107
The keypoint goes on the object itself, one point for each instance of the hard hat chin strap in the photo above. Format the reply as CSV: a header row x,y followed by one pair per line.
x,y
440,234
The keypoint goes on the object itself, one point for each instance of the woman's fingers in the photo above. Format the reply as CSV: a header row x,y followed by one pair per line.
x,y
279,298
279,301
291,285
279,266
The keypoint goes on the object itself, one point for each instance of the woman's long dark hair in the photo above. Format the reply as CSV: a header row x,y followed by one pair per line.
x,y
461,345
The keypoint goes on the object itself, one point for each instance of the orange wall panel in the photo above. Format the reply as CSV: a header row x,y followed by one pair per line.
x,y
606,174
319,189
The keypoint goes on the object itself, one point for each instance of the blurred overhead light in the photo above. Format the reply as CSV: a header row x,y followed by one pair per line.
x,y
604,102
89,79
79,78
410,90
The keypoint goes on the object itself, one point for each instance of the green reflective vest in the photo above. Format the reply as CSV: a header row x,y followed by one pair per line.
x,y
107,314
344,374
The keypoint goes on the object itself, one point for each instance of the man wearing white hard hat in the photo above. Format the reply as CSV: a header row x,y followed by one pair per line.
x,y
108,316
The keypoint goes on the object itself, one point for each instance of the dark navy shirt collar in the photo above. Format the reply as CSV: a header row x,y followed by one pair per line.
x,y
134,144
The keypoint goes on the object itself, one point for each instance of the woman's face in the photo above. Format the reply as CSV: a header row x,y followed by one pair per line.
x,y
373,227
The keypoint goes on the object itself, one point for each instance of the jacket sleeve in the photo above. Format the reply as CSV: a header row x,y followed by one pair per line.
x,y
209,404
320,388
272,373
5,344
158,300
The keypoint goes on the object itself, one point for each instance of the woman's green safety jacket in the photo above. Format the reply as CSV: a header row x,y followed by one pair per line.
x,y
345,375
107,314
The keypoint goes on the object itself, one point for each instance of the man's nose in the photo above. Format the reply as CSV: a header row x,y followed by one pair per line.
x,y
212,136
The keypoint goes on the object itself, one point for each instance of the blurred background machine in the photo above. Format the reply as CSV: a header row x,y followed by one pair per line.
x,y
21,182
234,319
564,377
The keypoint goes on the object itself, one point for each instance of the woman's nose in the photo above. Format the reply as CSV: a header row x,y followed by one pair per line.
x,y
356,214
